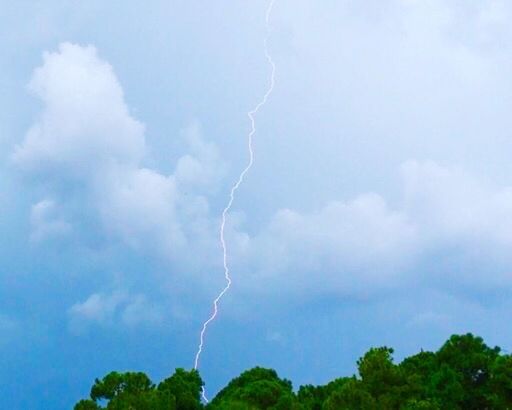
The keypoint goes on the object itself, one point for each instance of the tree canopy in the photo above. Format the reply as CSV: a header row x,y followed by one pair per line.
x,y
463,374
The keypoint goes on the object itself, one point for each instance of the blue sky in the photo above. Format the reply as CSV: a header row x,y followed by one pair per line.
x,y
378,210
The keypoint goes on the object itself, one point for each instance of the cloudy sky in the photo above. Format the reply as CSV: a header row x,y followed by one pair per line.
x,y
378,210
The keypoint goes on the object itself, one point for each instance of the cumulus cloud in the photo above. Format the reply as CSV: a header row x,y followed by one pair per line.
x,y
46,221
140,204
90,152
341,246
346,246
203,168
169,212
109,309
364,245
85,123
87,154
450,204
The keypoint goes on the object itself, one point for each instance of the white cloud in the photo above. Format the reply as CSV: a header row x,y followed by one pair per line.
x,y
140,311
363,245
89,152
342,246
109,309
85,123
139,205
203,168
346,246
449,204
98,308
46,222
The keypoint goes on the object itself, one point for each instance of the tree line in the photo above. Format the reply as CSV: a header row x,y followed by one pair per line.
x,y
463,374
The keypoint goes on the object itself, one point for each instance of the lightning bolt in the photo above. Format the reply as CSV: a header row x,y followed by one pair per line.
x,y
251,114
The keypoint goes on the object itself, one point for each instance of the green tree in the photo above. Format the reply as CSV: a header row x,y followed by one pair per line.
x,y
134,391
87,405
445,388
185,387
115,385
313,397
125,391
419,404
471,359
350,396
463,374
418,370
384,380
257,388
500,394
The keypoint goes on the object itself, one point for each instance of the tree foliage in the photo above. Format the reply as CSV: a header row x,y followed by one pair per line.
x,y
464,374
135,391
256,389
